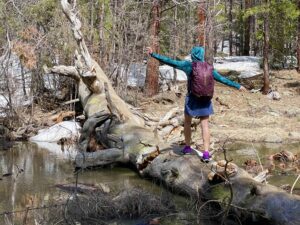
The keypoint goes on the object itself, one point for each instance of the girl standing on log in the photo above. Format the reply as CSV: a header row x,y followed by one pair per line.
x,y
200,107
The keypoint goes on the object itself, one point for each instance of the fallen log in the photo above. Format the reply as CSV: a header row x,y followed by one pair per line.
x,y
124,139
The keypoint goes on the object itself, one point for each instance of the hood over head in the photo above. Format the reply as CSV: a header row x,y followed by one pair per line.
x,y
197,54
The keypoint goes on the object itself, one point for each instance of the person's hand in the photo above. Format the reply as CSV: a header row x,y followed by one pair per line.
x,y
242,89
149,50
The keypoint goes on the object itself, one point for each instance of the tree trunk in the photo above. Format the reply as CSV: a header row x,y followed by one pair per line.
x,y
202,23
206,37
230,27
5,82
266,80
152,74
209,35
23,79
253,43
101,32
298,40
246,49
256,43
242,33
187,36
124,139
175,44
5,70
91,12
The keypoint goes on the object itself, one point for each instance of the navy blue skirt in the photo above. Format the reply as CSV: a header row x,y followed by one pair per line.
x,y
198,106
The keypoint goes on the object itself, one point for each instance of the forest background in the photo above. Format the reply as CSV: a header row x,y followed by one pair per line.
x,y
36,36
117,32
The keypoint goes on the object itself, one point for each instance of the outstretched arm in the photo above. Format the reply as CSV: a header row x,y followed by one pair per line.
x,y
227,82
178,64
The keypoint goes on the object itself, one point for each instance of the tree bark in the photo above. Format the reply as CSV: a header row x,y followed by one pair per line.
x,y
91,12
202,22
187,37
125,140
266,80
230,28
298,40
206,37
101,32
241,36
246,49
5,71
152,74
23,79
209,34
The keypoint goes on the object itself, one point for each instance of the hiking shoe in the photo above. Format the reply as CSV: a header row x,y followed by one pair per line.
x,y
206,156
187,150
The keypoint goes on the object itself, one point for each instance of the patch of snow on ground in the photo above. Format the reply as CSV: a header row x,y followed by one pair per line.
x,y
15,83
65,129
225,47
167,72
137,75
248,66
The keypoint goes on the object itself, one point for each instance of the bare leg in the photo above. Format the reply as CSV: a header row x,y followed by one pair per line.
x,y
187,129
205,132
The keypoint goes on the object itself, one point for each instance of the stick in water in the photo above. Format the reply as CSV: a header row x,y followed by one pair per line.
x,y
295,184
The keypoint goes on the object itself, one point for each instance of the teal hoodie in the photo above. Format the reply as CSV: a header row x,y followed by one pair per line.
x,y
197,54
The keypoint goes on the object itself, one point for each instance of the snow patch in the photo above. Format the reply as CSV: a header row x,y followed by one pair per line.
x,y
16,83
65,129
137,74
248,66
167,73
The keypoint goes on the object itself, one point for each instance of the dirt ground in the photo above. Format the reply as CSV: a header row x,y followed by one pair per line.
x,y
245,116
238,116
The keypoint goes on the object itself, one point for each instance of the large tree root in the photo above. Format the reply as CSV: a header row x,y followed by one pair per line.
x,y
100,158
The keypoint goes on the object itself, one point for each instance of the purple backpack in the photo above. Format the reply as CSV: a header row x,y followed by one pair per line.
x,y
202,80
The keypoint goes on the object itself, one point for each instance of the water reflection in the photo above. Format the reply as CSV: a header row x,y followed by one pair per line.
x,y
239,152
35,171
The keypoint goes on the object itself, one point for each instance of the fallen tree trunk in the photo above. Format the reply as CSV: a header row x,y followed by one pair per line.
x,y
112,134
250,198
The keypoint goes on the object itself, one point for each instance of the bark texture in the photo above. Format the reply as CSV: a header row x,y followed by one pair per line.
x,y
246,49
298,41
266,86
202,19
152,76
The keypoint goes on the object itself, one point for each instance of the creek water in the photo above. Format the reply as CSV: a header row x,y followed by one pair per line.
x,y
240,152
28,175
